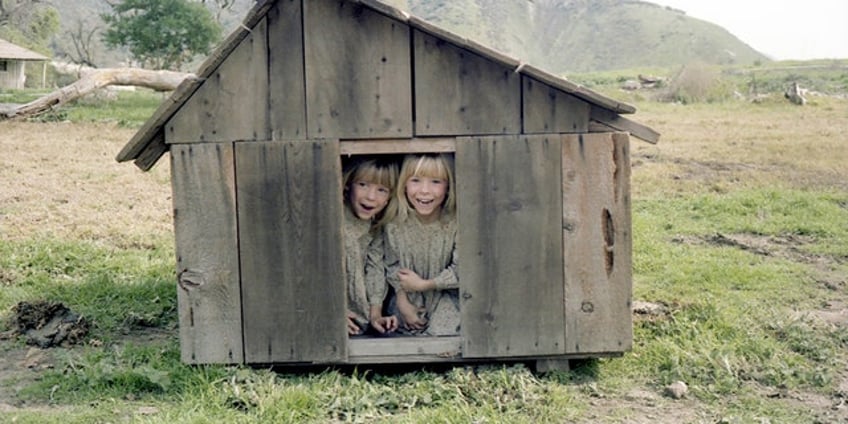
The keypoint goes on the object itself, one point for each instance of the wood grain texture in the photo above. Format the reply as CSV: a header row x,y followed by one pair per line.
x,y
510,249
597,242
232,103
404,145
458,92
550,110
287,89
358,72
205,228
290,215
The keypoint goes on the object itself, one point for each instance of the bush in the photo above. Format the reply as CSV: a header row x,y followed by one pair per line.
x,y
697,83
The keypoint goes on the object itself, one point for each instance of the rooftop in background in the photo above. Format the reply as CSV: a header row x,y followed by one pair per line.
x,y
14,51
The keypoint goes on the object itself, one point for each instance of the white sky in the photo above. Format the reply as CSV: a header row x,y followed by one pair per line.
x,y
780,29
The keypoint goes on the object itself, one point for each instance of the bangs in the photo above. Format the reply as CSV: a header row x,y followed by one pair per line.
x,y
376,175
430,167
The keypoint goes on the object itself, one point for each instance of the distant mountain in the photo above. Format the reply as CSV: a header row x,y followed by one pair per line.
x,y
561,36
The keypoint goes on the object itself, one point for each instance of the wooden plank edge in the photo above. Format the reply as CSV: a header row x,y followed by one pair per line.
x,y
393,146
441,347
154,124
438,32
151,154
385,9
620,123
575,89
493,54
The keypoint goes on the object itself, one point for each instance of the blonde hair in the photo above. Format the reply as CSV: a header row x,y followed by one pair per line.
x,y
431,165
374,170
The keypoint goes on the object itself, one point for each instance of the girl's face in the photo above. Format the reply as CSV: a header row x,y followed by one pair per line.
x,y
426,195
368,199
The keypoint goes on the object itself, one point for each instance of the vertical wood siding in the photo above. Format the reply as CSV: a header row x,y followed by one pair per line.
x,y
208,295
510,249
287,92
549,110
232,104
597,242
290,214
458,92
357,72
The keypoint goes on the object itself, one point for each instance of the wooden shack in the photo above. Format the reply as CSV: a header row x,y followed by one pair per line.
x,y
256,143
13,59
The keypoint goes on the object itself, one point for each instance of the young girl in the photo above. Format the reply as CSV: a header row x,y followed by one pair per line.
x,y
368,187
420,247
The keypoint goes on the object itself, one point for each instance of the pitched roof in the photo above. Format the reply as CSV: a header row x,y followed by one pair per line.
x,y
14,51
148,144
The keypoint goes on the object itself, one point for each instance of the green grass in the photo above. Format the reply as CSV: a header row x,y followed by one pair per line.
x,y
737,329
129,109
114,288
726,335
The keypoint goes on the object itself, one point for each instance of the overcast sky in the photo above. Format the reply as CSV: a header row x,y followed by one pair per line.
x,y
780,29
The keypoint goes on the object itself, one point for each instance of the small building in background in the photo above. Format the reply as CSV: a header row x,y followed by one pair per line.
x,y
13,59
256,145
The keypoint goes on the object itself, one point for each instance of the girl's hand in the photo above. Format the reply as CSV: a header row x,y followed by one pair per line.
x,y
411,314
412,282
385,325
352,326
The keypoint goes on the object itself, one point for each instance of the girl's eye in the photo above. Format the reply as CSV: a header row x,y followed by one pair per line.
x,y
436,181
382,189
414,179
362,184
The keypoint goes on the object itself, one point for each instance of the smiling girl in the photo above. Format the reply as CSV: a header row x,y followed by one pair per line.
x,y
420,247
368,187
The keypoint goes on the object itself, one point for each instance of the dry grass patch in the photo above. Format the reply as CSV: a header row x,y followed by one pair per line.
x,y
736,145
61,180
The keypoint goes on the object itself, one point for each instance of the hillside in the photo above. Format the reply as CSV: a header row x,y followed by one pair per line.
x,y
562,36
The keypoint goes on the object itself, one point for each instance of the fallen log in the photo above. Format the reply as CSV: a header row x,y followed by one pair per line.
x,y
92,80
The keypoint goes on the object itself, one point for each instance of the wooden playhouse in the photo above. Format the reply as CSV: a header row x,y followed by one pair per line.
x,y
256,143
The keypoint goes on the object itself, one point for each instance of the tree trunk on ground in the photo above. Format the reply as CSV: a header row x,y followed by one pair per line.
x,y
92,80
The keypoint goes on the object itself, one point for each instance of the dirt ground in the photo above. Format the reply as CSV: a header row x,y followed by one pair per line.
x,y
61,180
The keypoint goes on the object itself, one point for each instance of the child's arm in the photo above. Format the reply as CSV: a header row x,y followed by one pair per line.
x,y
376,287
410,313
375,272
447,279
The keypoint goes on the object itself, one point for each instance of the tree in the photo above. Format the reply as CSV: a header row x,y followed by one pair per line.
x,y
162,34
30,23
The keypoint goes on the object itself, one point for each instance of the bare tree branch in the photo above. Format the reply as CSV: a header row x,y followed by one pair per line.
x,y
92,80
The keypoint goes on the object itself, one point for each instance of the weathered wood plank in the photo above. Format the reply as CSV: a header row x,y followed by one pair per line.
x,y
510,247
620,123
550,110
151,132
597,242
392,146
290,214
208,293
458,92
232,103
151,153
404,349
287,90
576,89
358,80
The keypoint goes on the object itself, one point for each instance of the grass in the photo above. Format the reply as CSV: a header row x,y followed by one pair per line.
x,y
739,233
126,108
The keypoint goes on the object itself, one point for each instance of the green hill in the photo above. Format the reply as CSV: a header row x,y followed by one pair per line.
x,y
587,35
562,36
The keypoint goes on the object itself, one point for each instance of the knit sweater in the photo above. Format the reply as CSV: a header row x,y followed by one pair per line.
x,y
358,242
429,250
